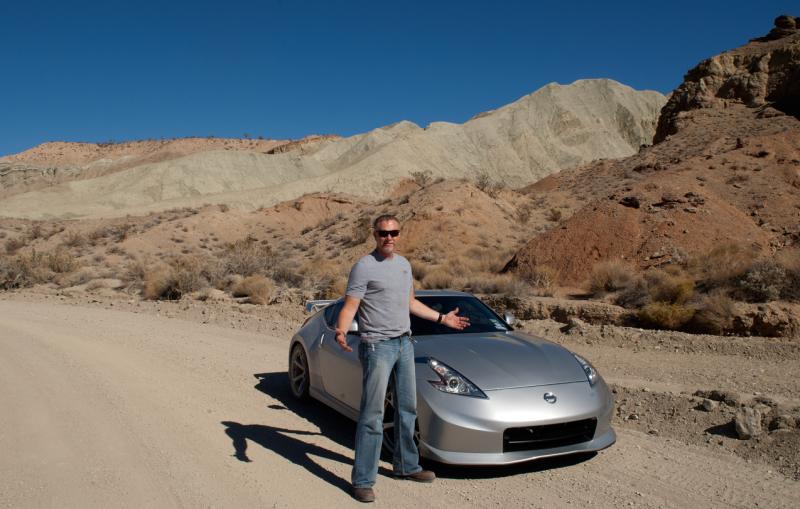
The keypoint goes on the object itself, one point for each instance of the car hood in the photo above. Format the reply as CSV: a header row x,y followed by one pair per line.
x,y
502,360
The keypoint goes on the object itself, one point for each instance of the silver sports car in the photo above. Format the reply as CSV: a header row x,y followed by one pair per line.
x,y
486,395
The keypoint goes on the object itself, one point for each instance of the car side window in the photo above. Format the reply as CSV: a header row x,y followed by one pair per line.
x,y
332,313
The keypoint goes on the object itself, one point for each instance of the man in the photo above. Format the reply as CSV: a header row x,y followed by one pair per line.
x,y
380,290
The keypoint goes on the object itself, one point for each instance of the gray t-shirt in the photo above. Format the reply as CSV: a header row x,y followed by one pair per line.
x,y
384,287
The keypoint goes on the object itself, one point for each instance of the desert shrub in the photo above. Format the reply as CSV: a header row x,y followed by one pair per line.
x,y
496,283
635,295
36,231
661,315
485,183
190,274
439,278
714,314
524,212
14,244
762,282
542,278
257,289
671,285
23,270
422,178
419,269
721,266
288,274
553,215
247,257
361,231
159,284
61,261
134,271
611,276
74,239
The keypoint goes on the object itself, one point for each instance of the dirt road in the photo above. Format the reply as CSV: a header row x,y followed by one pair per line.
x,y
106,408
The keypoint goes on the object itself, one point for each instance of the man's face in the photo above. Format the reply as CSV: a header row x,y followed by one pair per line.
x,y
385,244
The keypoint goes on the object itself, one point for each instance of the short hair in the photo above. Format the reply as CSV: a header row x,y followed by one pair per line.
x,y
382,218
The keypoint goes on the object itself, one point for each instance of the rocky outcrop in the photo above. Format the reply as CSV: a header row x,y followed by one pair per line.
x,y
765,72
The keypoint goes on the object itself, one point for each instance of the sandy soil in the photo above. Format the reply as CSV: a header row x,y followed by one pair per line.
x,y
123,403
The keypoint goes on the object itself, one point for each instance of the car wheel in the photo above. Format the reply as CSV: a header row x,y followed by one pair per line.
x,y
299,375
388,422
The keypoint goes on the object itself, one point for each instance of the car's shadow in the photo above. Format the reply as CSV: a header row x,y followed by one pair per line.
x,y
341,430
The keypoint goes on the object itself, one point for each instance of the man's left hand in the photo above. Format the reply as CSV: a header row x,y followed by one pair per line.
x,y
454,321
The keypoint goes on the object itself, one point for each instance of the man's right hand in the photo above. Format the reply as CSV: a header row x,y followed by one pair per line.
x,y
341,338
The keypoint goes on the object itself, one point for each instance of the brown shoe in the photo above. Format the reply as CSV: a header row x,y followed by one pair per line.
x,y
421,476
364,494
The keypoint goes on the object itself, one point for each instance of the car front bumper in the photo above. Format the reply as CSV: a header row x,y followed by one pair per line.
x,y
470,431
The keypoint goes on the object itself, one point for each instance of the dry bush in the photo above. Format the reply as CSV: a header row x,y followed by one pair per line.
x,y
762,282
247,257
23,270
439,278
287,273
714,314
362,231
670,285
257,289
661,315
160,285
721,266
419,269
192,273
524,212
74,239
553,215
611,276
36,231
15,244
324,278
542,278
636,295
183,275
422,178
496,283
61,261
485,183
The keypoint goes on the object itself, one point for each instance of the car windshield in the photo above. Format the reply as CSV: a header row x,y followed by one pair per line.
x,y
481,318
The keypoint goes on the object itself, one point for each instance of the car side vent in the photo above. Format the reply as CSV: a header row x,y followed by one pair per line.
x,y
532,438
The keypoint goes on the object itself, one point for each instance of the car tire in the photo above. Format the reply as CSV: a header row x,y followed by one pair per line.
x,y
299,372
388,423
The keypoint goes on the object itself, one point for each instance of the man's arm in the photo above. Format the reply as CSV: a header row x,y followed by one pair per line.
x,y
346,316
451,319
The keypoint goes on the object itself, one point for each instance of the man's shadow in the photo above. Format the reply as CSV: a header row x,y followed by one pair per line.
x,y
281,441
285,442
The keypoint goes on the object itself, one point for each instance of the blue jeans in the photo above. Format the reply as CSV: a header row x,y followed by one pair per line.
x,y
380,361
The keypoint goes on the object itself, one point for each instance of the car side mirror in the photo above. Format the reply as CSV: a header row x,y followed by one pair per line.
x,y
353,326
509,318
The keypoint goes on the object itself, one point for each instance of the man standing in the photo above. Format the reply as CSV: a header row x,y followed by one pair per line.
x,y
380,290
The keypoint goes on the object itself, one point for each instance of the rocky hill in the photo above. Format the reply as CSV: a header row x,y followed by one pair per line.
x,y
725,169
556,127
56,162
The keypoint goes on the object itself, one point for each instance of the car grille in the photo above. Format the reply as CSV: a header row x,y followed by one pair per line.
x,y
532,438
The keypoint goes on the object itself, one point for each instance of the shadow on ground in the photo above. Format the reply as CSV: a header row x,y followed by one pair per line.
x,y
342,431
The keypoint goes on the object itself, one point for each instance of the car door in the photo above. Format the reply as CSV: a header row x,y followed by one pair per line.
x,y
341,371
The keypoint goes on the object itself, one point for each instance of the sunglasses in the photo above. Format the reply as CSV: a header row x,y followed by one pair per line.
x,y
386,233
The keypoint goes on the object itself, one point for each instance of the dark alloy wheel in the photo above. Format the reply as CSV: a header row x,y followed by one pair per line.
x,y
299,377
388,422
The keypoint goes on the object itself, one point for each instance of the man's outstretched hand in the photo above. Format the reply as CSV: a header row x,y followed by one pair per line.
x,y
454,321
341,338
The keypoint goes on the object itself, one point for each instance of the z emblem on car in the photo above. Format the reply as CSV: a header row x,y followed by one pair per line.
x,y
550,397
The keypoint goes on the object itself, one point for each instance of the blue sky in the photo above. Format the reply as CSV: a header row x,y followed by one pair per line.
x,y
119,70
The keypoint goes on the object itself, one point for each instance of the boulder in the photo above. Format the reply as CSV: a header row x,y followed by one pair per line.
x,y
748,423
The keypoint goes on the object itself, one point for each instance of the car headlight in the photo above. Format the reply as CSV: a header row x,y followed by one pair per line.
x,y
591,373
453,382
